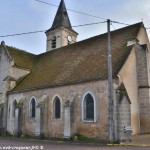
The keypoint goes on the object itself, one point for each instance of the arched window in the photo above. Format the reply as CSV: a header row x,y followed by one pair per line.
x,y
57,108
89,108
9,111
14,107
32,108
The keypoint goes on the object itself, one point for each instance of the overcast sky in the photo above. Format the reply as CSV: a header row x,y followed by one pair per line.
x,y
18,16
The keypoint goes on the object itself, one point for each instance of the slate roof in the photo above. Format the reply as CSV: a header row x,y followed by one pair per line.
x,y
79,62
61,18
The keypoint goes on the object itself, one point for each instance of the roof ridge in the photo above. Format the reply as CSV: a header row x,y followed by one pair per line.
x,y
20,50
96,36
129,26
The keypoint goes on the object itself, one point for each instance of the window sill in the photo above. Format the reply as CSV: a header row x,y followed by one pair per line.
x,y
89,121
32,119
57,119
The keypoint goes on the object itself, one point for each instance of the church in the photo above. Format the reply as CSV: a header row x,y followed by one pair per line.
x,y
64,91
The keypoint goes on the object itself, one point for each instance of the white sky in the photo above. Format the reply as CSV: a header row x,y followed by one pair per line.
x,y
19,16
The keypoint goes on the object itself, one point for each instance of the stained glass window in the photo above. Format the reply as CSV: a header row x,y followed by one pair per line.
x,y
89,107
32,108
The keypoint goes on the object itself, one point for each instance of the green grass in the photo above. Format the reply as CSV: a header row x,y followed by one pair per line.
x,y
82,138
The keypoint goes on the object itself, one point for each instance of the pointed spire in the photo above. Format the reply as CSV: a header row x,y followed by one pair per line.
x,y
61,18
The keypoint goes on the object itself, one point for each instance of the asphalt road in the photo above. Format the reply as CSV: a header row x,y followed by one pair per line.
x,y
21,144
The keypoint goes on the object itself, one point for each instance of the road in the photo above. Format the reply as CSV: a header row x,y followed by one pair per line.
x,y
21,144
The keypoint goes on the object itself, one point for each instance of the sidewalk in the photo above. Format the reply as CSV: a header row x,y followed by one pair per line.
x,y
143,139
137,141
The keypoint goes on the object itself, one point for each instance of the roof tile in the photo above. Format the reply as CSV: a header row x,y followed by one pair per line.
x,y
80,62
21,58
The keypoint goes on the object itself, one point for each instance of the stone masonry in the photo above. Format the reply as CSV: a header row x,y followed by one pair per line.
x,y
55,127
143,88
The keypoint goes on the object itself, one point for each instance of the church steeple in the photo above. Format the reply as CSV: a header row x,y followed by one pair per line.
x,y
61,18
61,32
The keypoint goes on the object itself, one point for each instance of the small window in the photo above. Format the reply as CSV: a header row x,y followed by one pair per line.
x,y
14,107
88,108
1,112
54,42
57,108
9,111
32,108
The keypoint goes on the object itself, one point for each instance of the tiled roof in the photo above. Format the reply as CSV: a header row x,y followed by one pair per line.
x,y
22,59
79,62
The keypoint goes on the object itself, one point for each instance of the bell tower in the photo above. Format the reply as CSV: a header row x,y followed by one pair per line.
x,y
61,32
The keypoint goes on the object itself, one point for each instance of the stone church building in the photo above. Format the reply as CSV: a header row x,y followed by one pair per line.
x,y
64,90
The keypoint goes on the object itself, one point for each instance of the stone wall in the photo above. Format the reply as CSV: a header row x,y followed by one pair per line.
x,y
4,66
61,35
55,127
144,106
124,117
135,73
142,66
128,76
4,69
122,113
7,71
143,90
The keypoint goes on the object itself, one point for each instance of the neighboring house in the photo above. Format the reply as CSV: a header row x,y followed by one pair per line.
x,y
65,90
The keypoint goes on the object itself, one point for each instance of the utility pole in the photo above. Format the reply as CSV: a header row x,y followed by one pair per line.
x,y
110,92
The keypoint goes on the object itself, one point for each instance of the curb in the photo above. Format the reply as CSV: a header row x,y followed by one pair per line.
x,y
63,142
133,145
53,141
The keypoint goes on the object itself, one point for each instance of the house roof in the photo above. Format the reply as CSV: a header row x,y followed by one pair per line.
x,y
22,59
79,62
61,18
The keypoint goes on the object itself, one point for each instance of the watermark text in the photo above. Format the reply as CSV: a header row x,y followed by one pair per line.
x,y
21,147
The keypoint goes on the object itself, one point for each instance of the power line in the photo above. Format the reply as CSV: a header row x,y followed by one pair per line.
x,y
17,34
112,26
83,13
46,3
120,23
89,24
22,33
32,32
124,24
